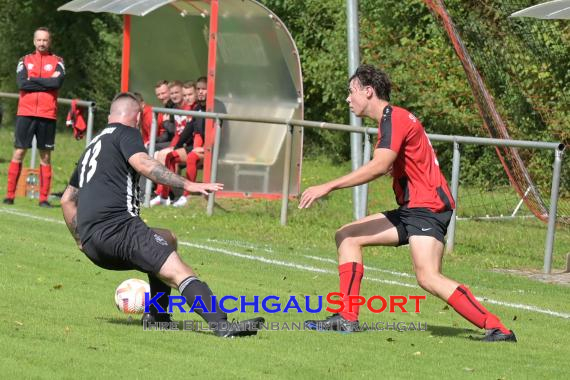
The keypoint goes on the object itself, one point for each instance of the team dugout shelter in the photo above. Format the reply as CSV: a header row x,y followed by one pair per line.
x,y
252,66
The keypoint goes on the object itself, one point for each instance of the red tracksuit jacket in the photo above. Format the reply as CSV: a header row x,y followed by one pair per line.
x,y
38,89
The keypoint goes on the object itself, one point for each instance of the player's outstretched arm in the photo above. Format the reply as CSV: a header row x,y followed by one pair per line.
x,y
156,172
69,208
378,166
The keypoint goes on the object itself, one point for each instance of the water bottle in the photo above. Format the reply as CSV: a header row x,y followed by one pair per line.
x,y
32,186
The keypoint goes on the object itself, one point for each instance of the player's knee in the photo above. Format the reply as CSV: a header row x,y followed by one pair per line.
x,y
344,236
426,279
174,270
18,155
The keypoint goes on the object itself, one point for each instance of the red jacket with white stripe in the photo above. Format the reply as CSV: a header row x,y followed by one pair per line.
x,y
37,84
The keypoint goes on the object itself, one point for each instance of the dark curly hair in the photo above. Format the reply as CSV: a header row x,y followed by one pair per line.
x,y
369,75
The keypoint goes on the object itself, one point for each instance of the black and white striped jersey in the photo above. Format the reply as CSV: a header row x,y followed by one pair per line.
x,y
108,186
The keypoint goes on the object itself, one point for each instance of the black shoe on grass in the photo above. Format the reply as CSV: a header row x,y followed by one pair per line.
x,y
149,319
237,329
496,335
45,204
8,201
334,322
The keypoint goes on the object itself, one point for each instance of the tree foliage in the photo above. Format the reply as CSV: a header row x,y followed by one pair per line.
x,y
89,43
524,62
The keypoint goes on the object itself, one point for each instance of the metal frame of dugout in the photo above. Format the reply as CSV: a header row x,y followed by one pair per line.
x,y
252,65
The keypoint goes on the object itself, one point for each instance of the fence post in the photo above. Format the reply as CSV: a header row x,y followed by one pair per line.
x,y
364,187
152,143
549,246
454,191
286,174
89,133
34,153
214,172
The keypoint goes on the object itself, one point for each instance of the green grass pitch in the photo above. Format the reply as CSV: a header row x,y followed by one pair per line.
x,y
58,318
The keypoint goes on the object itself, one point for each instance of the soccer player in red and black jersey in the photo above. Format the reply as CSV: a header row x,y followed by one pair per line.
x,y
39,76
426,208
176,90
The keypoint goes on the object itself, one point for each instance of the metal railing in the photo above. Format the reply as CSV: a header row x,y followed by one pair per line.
x,y
90,105
291,124
557,148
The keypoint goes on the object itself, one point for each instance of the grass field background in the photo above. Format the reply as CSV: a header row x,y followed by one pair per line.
x,y
58,318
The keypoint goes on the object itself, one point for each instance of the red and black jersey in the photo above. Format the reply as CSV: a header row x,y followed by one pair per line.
x,y
180,122
418,180
38,87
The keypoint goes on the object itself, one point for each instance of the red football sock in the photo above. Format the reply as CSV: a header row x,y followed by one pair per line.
x,y
350,278
198,141
465,303
45,182
14,171
164,191
170,162
192,166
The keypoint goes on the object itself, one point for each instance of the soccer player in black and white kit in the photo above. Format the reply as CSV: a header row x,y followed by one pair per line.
x,y
101,209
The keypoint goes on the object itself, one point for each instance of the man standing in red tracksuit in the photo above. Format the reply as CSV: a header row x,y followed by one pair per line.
x,y
39,77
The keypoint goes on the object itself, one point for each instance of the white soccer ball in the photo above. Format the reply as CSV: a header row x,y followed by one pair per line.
x,y
129,296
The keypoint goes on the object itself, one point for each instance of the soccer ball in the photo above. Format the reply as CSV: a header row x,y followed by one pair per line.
x,y
129,296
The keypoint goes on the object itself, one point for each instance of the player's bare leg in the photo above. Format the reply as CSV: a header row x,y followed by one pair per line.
x,y
427,254
18,154
177,274
369,231
350,239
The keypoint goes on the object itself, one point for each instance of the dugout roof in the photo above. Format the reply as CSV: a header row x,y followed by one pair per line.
x,y
255,70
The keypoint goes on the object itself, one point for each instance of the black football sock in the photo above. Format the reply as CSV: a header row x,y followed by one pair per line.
x,y
156,286
190,288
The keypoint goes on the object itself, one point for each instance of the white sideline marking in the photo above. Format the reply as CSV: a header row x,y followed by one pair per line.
x,y
400,274
14,212
241,244
257,258
531,308
525,307
285,263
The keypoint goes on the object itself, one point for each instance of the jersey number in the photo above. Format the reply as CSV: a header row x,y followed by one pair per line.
x,y
89,161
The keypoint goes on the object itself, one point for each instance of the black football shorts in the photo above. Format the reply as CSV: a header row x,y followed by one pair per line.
x,y
130,245
29,126
419,221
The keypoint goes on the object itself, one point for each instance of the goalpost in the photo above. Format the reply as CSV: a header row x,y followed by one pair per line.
x,y
521,197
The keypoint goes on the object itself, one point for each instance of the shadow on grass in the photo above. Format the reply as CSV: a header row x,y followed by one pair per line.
x,y
134,321
128,321
452,331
